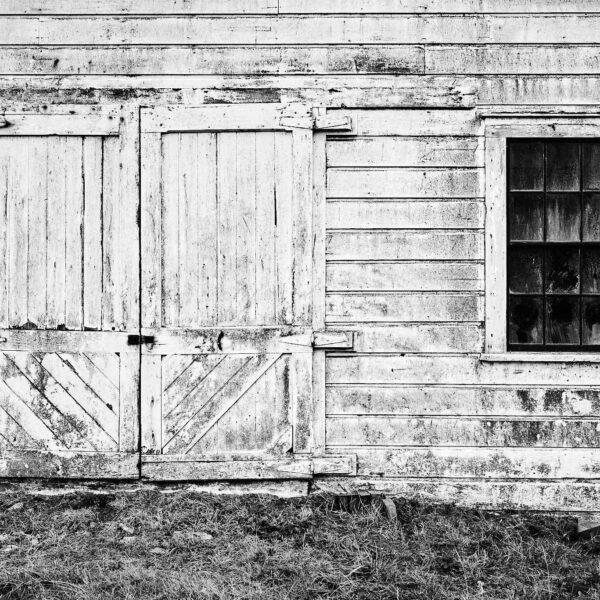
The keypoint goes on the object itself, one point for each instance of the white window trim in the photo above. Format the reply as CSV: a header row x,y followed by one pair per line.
x,y
499,125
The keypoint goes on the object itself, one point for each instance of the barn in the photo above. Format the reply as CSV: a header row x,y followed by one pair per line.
x,y
349,243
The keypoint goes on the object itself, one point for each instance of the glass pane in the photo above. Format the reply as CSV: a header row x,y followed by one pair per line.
x,y
527,166
591,321
526,213
563,217
591,217
562,270
591,166
525,320
562,320
562,166
525,270
590,270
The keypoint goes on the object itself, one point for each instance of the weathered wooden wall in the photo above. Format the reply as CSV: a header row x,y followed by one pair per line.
x,y
405,211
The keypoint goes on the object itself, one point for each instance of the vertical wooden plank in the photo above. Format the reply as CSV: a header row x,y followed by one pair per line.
x,y
4,183
319,286
74,225
495,245
266,299
207,228
303,226
151,403
36,232
245,216
17,231
92,232
55,257
227,235
284,169
170,234
302,395
189,214
151,228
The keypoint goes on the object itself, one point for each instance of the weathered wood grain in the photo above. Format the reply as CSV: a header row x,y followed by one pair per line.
x,y
480,463
567,496
402,307
404,276
455,400
405,152
462,431
198,60
456,370
405,245
405,214
303,29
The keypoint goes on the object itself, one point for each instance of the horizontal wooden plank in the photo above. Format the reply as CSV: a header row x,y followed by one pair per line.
x,y
418,338
367,430
456,370
437,6
513,60
405,152
404,276
559,496
334,91
483,463
462,400
303,29
403,308
196,60
174,470
405,245
405,214
65,341
404,183
69,465
140,7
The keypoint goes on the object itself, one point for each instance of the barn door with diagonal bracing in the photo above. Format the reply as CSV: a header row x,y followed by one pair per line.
x,y
69,273
227,267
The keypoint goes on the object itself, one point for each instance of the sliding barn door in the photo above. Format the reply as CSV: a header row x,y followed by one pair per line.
x,y
227,262
68,293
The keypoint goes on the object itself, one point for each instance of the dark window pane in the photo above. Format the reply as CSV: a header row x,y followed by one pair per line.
x,y
563,217
525,270
562,320
527,166
591,166
526,217
591,321
590,270
591,217
525,320
562,167
562,270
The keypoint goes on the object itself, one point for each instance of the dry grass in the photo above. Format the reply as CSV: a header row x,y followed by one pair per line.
x,y
153,546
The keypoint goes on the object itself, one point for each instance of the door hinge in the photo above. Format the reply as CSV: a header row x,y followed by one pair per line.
x,y
138,340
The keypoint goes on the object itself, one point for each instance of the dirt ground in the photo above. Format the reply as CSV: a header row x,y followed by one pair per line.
x,y
183,545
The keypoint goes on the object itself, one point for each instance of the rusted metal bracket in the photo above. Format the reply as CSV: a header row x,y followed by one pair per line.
x,y
138,340
333,340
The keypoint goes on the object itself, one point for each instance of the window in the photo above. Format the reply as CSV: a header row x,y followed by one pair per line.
x,y
553,244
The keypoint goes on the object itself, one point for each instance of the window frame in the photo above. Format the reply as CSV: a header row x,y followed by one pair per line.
x,y
498,127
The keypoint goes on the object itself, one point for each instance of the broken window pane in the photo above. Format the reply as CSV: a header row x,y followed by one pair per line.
x,y
527,166
563,217
562,167
525,323
525,275
526,217
591,321
591,166
590,270
562,270
562,320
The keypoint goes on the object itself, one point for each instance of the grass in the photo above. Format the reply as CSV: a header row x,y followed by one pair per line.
x,y
152,546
